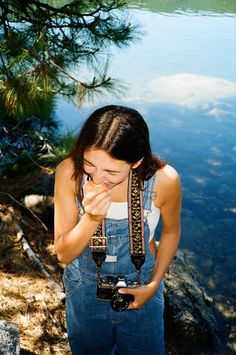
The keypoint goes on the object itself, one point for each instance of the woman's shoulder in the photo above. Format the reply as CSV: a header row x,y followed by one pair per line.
x,y
64,179
66,166
167,183
167,175
65,169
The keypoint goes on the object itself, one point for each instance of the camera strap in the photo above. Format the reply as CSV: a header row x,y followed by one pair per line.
x,y
136,222
98,242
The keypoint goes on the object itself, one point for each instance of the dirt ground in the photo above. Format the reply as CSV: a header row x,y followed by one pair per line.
x,y
27,295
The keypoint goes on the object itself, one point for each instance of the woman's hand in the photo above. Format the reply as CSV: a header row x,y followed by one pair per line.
x,y
142,295
97,199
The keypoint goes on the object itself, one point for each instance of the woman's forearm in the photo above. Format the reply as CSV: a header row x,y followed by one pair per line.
x,y
166,251
71,244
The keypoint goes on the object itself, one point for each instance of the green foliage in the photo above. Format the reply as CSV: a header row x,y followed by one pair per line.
x,y
61,150
29,160
42,42
23,139
21,165
50,48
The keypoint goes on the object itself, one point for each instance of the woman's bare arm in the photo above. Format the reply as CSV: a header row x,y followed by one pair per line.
x,y
168,199
71,234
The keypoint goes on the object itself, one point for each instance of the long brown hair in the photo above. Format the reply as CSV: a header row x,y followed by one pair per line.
x,y
122,133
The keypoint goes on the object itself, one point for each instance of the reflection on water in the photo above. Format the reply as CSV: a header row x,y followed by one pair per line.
x,y
202,148
187,6
188,90
182,79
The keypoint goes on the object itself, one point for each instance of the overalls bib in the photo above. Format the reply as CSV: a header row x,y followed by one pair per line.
x,y
92,326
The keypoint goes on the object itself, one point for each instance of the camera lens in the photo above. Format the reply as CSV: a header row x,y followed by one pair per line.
x,y
119,303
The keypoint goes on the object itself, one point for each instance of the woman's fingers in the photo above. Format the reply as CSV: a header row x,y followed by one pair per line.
x,y
96,203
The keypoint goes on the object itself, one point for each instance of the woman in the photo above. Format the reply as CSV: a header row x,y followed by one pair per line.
x,y
92,187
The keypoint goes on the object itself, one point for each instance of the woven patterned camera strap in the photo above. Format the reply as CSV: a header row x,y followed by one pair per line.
x,y
98,243
136,223
99,240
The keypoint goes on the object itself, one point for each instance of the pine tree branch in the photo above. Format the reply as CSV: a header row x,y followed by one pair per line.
x,y
62,70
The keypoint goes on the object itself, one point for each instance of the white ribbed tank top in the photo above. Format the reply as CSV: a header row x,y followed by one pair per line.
x,y
119,210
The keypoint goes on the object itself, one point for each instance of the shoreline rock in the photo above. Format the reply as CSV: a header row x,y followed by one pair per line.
x,y
189,319
9,338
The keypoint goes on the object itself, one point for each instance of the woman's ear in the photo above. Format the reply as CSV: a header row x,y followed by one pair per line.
x,y
135,165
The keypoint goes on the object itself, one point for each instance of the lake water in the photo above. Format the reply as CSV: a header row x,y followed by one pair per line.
x,y
181,76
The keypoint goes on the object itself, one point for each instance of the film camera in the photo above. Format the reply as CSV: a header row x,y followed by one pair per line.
x,y
108,290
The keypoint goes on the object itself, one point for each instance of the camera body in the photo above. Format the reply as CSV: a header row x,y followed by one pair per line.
x,y
108,290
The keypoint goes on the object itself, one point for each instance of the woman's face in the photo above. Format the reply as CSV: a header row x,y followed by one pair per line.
x,y
103,169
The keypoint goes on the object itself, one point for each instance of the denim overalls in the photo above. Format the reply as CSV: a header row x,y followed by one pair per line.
x,y
92,326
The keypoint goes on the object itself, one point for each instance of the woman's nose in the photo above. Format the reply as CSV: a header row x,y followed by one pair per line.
x,y
98,177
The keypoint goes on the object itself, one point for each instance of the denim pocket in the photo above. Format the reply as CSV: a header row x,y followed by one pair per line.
x,y
71,280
